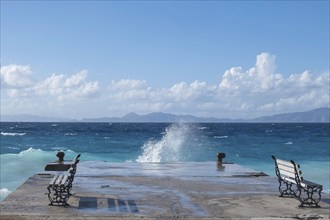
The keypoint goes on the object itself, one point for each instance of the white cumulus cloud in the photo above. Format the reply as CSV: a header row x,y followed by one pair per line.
x,y
258,90
65,87
129,89
21,94
16,76
260,78
261,88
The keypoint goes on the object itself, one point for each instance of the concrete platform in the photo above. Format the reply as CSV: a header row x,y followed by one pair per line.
x,y
160,191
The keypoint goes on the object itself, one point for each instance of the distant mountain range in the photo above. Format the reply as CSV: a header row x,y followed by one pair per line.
x,y
154,117
315,115
320,115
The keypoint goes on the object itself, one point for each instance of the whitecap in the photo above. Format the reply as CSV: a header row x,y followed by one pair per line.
x,y
220,137
70,134
11,134
13,148
288,143
64,149
203,128
59,148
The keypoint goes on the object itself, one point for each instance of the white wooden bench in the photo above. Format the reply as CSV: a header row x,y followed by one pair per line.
x,y
292,183
59,188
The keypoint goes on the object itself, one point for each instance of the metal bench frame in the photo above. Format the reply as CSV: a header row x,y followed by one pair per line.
x,y
292,183
59,188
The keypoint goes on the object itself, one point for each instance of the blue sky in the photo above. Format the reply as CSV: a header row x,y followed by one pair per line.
x,y
207,58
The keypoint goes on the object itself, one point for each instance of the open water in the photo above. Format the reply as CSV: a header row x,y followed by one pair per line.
x,y
27,147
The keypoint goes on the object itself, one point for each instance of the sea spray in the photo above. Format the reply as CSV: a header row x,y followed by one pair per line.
x,y
169,148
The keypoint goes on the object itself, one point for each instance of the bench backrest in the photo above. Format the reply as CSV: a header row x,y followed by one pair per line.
x,y
72,171
74,161
287,170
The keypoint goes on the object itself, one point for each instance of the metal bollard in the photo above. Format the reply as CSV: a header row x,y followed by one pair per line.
x,y
60,156
220,156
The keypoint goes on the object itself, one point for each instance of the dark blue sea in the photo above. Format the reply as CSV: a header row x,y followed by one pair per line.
x,y
27,147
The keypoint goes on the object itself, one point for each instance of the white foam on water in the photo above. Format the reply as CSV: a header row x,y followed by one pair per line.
x,y
203,128
169,148
11,134
221,137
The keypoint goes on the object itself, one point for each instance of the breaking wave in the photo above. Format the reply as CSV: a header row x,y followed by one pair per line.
x,y
169,148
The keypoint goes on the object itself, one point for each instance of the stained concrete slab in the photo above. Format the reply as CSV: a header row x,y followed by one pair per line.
x,y
160,191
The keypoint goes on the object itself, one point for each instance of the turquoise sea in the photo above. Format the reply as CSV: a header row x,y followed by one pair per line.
x,y
27,147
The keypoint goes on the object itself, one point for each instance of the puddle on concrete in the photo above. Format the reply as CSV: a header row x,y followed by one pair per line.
x,y
186,202
112,207
87,203
133,206
122,205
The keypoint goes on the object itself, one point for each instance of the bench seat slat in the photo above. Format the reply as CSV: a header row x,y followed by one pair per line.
x,y
289,179
59,179
52,182
64,179
306,183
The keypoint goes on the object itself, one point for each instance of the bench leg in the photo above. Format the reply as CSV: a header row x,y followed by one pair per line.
x,y
310,196
288,189
58,195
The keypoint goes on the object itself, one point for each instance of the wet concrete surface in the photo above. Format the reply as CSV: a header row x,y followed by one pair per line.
x,y
194,190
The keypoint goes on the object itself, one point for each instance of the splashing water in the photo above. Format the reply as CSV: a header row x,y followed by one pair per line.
x,y
169,148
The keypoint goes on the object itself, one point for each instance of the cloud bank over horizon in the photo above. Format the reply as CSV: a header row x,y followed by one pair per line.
x,y
259,90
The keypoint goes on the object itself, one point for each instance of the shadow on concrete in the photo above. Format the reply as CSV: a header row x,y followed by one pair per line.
x,y
114,205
